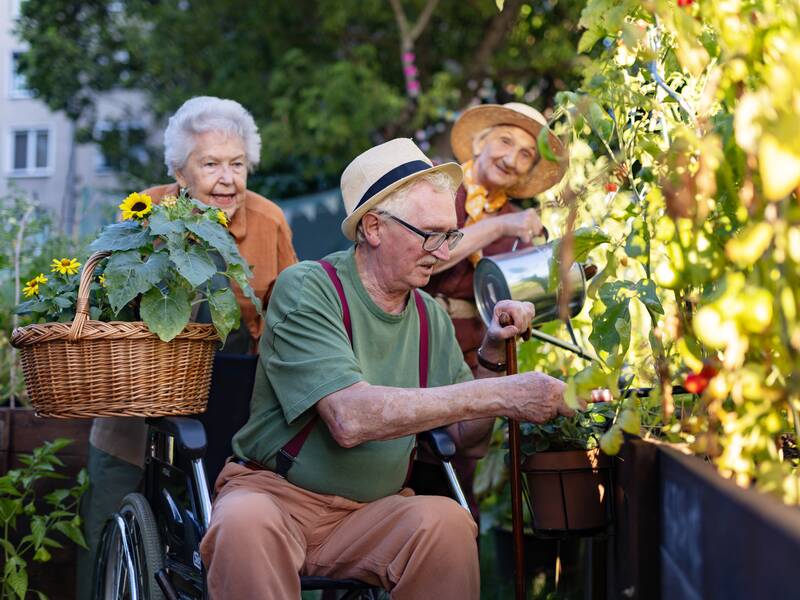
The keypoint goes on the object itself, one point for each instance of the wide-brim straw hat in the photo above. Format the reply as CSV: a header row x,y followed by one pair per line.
x,y
379,171
545,173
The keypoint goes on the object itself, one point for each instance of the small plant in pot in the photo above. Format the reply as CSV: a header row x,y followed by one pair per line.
x,y
566,472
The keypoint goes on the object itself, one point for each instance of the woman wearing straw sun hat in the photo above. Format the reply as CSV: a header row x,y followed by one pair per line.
x,y
497,148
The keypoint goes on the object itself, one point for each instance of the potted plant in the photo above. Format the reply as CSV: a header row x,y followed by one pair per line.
x,y
36,518
162,260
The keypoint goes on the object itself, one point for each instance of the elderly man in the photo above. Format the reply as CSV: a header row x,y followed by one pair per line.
x,y
317,484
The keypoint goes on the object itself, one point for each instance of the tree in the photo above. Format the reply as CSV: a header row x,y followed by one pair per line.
x,y
323,78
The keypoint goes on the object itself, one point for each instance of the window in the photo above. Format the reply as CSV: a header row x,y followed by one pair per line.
x,y
120,144
17,87
31,152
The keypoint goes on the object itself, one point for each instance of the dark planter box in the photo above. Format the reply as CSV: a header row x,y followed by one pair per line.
x,y
685,532
20,432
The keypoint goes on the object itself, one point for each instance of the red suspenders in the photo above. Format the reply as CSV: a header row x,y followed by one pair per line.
x,y
287,454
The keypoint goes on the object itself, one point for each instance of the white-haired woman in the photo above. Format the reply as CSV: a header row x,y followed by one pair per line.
x,y
210,145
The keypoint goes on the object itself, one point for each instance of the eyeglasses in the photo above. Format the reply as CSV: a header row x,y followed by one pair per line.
x,y
433,240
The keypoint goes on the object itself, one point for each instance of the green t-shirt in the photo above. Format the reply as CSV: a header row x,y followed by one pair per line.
x,y
305,355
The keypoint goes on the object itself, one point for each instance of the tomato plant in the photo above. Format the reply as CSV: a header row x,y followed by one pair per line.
x,y
684,150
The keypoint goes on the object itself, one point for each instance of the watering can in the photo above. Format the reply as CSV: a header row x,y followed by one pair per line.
x,y
524,275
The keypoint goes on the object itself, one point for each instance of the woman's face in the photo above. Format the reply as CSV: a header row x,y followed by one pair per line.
x,y
216,171
503,157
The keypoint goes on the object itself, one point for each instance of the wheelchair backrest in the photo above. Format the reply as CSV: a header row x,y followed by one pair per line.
x,y
228,407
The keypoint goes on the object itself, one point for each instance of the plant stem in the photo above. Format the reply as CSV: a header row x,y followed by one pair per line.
x,y
12,373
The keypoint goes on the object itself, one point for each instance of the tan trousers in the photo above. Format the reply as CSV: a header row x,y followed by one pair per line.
x,y
265,532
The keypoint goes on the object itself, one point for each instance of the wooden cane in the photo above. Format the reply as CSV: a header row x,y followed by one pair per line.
x,y
517,523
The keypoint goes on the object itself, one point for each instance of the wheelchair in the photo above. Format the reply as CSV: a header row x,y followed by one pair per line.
x,y
150,547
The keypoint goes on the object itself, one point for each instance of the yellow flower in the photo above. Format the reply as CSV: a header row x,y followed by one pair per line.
x,y
32,287
65,266
102,280
136,206
169,201
222,218
40,278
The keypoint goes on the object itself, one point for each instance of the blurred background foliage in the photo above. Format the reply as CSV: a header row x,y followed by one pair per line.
x,y
323,78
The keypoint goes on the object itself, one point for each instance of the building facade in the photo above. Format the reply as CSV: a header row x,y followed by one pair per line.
x,y
39,156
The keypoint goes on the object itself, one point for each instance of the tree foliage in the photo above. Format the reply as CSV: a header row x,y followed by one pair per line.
x,y
323,78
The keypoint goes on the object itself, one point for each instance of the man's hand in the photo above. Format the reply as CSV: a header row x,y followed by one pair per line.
x,y
521,315
537,397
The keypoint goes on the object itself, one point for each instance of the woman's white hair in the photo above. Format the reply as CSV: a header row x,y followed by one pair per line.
x,y
207,113
396,203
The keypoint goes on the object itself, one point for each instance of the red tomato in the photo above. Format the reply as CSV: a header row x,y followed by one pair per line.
x,y
696,383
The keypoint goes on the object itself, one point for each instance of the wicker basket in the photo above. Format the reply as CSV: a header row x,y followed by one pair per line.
x,y
97,369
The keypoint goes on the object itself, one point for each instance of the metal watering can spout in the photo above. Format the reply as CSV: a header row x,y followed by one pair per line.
x,y
525,276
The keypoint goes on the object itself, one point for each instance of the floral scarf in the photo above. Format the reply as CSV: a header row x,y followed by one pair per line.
x,y
479,203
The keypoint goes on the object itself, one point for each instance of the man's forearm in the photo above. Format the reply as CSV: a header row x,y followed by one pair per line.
x,y
364,412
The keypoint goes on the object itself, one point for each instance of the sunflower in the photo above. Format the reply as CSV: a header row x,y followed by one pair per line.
x,y
222,218
136,206
65,266
32,287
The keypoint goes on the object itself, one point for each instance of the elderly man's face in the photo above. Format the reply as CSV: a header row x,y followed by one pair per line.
x,y
505,155
216,171
407,264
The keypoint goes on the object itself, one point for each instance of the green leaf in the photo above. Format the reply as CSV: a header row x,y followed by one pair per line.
x,y
56,497
589,38
585,239
10,508
72,531
38,529
610,336
635,245
195,265
160,224
225,312
647,294
127,276
222,241
240,276
500,4
166,315
121,236
543,143
16,577
63,301
599,121
42,555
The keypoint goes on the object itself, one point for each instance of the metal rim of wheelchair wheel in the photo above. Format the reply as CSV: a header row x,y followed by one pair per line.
x,y
130,554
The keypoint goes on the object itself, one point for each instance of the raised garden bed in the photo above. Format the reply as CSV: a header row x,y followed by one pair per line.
x,y
683,531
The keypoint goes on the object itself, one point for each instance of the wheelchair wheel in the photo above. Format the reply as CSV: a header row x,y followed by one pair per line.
x,y
130,554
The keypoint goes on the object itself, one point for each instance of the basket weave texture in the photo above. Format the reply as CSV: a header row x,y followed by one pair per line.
x,y
98,369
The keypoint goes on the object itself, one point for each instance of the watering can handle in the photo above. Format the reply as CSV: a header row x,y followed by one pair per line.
x,y
545,234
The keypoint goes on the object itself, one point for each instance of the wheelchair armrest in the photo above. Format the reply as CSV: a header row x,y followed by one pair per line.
x,y
439,442
189,433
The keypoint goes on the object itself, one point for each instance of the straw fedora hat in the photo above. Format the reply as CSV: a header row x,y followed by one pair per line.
x,y
545,173
379,171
